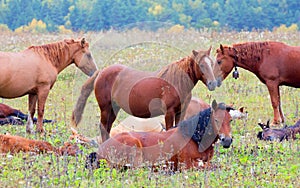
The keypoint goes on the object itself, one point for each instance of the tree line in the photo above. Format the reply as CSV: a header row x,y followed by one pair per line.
x,y
99,15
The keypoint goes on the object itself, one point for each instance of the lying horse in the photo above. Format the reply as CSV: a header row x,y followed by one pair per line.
x,y
147,94
274,63
284,133
192,140
15,144
34,71
9,115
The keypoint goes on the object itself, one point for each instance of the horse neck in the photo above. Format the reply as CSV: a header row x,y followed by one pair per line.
x,y
59,54
196,126
250,55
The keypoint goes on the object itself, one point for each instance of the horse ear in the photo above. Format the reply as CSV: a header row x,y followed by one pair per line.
x,y
222,49
214,105
82,42
195,53
241,109
268,124
208,51
262,126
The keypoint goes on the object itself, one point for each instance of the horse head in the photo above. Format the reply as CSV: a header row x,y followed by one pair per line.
x,y
205,62
226,60
82,56
221,119
269,134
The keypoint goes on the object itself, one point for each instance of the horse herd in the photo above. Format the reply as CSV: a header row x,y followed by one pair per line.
x,y
187,140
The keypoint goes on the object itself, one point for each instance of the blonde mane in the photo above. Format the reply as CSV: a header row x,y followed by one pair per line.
x,y
54,52
177,74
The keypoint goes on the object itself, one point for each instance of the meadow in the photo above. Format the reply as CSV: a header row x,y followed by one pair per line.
x,y
249,162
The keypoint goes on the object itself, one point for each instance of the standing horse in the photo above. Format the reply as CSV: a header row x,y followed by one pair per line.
x,y
34,71
192,140
274,63
147,94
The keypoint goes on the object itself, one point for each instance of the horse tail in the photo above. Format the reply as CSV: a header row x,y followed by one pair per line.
x,y
85,92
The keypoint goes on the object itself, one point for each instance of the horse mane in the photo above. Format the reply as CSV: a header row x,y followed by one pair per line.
x,y
195,126
251,51
54,52
177,74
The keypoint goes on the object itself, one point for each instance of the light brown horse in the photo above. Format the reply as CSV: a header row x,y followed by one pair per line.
x,y
274,63
192,140
147,94
34,71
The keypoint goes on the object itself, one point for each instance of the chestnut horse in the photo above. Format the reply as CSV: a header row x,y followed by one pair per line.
x,y
274,63
147,94
192,140
34,71
15,144
9,115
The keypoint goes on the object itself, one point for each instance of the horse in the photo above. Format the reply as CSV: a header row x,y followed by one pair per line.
x,y
15,144
10,115
34,71
284,133
146,94
274,63
192,140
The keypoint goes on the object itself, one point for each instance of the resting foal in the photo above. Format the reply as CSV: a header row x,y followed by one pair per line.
x,y
15,144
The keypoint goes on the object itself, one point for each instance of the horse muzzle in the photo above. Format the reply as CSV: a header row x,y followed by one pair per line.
x,y
226,142
219,81
211,85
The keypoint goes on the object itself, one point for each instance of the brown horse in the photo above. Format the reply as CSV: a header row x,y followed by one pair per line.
x,y
9,115
192,140
147,94
15,144
34,71
274,63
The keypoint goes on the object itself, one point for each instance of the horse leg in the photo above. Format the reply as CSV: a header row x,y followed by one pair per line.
x,y
42,96
107,119
32,99
275,99
169,119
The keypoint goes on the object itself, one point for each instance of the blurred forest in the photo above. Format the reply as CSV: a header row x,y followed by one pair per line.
x,y
101,15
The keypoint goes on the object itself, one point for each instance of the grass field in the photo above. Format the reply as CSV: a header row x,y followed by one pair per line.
x,y
248,163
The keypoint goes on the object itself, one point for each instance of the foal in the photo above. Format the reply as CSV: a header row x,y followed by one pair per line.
x,y
278,134
192,140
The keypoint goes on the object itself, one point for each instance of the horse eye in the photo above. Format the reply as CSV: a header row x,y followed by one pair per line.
x,y
219,62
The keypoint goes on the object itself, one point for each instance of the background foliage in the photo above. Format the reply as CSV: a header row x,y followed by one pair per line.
x,y
97,15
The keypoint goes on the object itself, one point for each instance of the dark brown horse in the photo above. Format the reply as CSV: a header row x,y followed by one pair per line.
x,y
274,63
192,140
9,115
34,71
284,133
147,94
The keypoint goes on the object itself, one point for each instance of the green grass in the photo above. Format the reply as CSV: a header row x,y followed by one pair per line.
x,y
248,163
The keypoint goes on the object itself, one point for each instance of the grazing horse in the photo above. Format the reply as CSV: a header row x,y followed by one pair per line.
x,y
274,63
192,140
34,71
15,144
284,133
9,115
147,94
